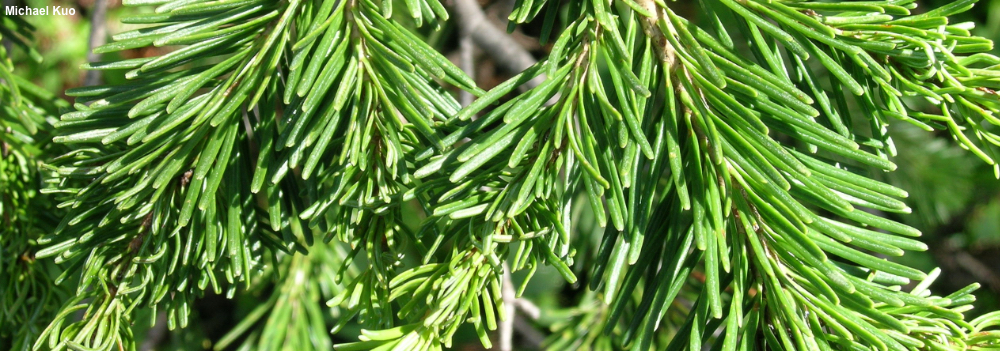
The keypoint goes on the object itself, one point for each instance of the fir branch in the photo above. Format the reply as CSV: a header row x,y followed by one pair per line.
x,y
28,296
287,140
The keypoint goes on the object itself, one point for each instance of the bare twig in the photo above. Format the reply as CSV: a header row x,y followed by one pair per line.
x,y
651,28
531,338
978,269
466,62
507,326
507,53
954,259
528,308
98,36
156,333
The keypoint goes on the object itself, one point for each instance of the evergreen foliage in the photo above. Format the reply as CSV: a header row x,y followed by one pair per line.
x,y
28,297
283,148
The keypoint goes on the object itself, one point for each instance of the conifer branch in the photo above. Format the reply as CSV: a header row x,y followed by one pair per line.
x,y
310,153
28,296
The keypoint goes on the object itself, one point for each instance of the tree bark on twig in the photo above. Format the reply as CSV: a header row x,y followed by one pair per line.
x,y
156,334
507,325
468,65
530,337
98,37
503,49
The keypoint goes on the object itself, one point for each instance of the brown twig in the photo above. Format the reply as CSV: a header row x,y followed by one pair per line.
x,y
652,30
98,36
156,333
531,338
507,325
503,49
467,64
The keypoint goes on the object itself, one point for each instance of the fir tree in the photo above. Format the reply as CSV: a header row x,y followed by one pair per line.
x,y
709,180
28,295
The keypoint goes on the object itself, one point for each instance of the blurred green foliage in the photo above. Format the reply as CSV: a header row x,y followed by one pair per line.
x,y
62,40
955,198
